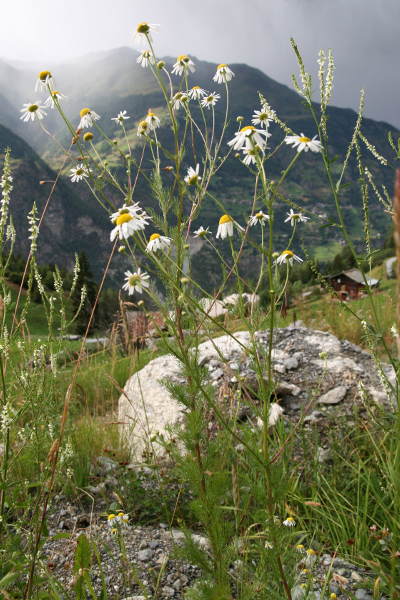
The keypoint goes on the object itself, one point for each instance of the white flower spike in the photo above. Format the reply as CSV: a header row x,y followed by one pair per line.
x,y
136,282
223,74
302,142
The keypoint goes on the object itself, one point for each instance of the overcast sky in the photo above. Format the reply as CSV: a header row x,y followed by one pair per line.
x,y
364,35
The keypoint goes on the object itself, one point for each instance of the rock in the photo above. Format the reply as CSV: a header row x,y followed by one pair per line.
x,y
285,388
334,396
145,555
363,595
323,454
338,365
291,363
213,308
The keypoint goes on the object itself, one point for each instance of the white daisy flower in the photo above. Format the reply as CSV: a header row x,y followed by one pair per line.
x,y
183,64
223,74
114,521
127,221
201,232
225,227
179,99
193,177
88,116
31,111
79,172
250,156
197,93
43,80
120,118
287,256
158,242
145,58
275,413
54,95
268,545
311,557
143,128
249,138
301,142
261,117
152,120
289,522
210,100
294,217
259,217
143,33
135,282
300,548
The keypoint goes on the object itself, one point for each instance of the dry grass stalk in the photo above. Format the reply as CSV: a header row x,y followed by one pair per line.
x,y
396,236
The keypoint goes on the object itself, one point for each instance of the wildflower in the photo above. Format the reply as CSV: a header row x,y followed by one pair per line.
x,y
223,74
275,412
120,118
249,138
54,95
158,242
135,282
249,156
193,177
225,227
300,548
145,58
287,256
268,545
302,142
110,519
179,99
79,172
152,120
311,557
295,217
32,111
43,81
289,522
197,93
160,64
87,116
142,128
259,217
143,32
210,100
333,596
114,520
127,221
88,136
183,64
201,232
261,117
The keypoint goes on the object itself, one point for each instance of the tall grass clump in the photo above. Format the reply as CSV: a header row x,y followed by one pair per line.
x,y
245,493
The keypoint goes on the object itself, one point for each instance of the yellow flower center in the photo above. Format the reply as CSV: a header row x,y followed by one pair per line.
x,y
196,87
44,75
183,58
143,124
260,215
55,94
150,113
154,236
225,219
210,98
143,28
84,111
33,108
288,254
311,552
221,66
124,218
304,139
300,547
248,128
79,172
88,136
133,280
111,517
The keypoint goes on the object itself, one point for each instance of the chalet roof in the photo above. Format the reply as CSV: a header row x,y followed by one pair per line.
x,y
357,276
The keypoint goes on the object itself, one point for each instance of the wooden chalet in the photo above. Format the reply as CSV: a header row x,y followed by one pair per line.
x,y
350,284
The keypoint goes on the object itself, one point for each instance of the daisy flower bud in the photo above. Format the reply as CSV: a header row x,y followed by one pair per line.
x,y
302,142
183,64
223,74
88,117
88,136
160,65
